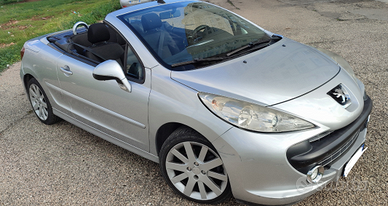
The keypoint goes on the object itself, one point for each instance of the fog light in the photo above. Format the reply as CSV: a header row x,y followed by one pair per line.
x,y
315,174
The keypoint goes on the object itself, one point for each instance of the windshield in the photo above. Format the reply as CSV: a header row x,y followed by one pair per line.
x,y
190,31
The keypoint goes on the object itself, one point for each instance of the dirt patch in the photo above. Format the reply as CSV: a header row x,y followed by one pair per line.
x,y
23,27
6,45
37,18
10,23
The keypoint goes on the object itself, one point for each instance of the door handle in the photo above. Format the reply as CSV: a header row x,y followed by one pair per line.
x,y
66,70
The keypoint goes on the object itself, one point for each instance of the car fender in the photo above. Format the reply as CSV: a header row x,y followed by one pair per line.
x,y
172,102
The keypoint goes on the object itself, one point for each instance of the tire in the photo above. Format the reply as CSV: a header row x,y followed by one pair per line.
x,y
40,103
192,167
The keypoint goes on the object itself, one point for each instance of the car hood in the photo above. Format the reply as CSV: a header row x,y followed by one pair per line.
x,y
280,72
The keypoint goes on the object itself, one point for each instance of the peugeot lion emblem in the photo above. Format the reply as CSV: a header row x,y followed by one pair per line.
x,y
341,95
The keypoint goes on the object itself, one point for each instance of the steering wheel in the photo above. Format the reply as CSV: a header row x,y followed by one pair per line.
x,y
194,35
80,23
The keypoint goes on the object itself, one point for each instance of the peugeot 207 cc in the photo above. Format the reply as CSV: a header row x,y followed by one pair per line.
x,y
224,106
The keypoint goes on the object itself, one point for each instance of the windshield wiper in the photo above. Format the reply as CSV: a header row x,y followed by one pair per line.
x,y
194,61
250,45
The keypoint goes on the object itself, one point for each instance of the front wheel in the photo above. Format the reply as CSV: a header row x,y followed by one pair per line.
x,y
40,103
192,167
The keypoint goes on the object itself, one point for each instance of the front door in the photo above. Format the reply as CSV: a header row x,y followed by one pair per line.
x,y
103,105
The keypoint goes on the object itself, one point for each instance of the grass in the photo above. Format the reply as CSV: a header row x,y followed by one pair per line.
x,y
20,22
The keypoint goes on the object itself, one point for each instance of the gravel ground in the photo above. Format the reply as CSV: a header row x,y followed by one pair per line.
x,y
64,165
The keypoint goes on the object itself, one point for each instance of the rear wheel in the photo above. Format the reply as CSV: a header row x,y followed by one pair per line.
x,y
192,167
40,103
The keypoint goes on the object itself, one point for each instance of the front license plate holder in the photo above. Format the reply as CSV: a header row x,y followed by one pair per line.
x,y
354,159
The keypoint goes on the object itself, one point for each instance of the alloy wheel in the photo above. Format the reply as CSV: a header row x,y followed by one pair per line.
x,y
196,171
38,102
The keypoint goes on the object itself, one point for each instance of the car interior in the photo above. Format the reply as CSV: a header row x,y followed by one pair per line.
x,y
101,43
155,34
97,43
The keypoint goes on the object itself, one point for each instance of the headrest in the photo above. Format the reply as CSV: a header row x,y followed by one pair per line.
x,y
151,21
98,33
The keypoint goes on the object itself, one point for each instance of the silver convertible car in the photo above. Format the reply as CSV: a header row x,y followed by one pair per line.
x,y
224,106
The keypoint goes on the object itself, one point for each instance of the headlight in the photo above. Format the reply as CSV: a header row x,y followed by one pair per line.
x,y
251,116
340,61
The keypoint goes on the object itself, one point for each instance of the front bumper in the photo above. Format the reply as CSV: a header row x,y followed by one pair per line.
x,y
260,172
305,155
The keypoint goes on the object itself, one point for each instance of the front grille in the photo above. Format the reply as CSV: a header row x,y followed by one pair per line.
x,y
340,151
305,155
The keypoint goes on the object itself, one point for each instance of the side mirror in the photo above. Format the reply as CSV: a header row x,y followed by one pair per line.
x,y
111,70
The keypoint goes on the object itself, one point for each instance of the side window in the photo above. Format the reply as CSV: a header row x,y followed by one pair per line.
x,y
133,67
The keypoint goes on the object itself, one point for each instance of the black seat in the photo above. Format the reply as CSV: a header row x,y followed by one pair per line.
x,y
81,39
101,49
157,37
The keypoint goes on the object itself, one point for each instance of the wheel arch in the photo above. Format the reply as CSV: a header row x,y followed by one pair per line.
x,y
208,129
164,132
27,77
